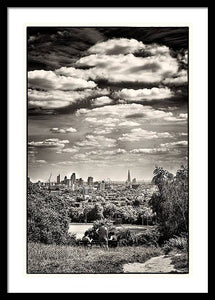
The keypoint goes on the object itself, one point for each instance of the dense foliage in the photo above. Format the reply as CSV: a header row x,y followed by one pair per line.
x,y
147,238
176,243
171,202
126,214
47,217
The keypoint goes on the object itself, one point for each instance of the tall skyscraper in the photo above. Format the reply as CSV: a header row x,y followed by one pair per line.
x,y
65,180
58,179
128,181
73,178
68,182
90,181
129,176
102,185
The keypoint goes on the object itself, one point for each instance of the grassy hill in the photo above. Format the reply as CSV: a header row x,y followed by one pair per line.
x,y
71,259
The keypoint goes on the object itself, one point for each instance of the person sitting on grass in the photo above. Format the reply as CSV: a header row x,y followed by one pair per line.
x,y
86,239
103,235
112,236
112,239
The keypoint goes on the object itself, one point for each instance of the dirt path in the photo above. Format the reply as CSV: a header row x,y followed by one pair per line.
x,y
158,264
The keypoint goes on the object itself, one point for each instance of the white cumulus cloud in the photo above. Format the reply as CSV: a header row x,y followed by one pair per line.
x,y
138,134
41,161
180,118
63,130
129,68
124,110
128,124
48,80
117,46
58,98
96,141
145,94
175,144
101,101
48,143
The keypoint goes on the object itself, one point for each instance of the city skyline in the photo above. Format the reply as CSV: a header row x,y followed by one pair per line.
x,y
62,177
102,100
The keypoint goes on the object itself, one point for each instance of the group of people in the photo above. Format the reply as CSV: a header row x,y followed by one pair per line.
x,y
104,237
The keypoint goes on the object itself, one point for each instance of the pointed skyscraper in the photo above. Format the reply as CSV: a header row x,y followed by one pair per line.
x,y
129,176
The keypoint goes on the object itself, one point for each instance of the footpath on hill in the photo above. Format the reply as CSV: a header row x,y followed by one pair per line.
x,y
158,264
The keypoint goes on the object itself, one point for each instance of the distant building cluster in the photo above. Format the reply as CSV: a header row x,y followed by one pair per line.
x,y
87,186
73,182
80,192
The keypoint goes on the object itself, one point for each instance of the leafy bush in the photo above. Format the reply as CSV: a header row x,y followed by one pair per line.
x,y
110,210
96,213
129,215
176,243
71,239
181,262
125,237
76,214
146,238
47,218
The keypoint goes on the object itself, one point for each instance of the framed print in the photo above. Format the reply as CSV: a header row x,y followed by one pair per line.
x,y
108,144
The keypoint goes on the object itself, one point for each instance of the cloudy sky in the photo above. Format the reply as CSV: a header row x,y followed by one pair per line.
x,y
103,100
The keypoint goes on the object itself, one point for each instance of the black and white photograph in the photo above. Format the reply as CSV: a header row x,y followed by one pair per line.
x,y
108,150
